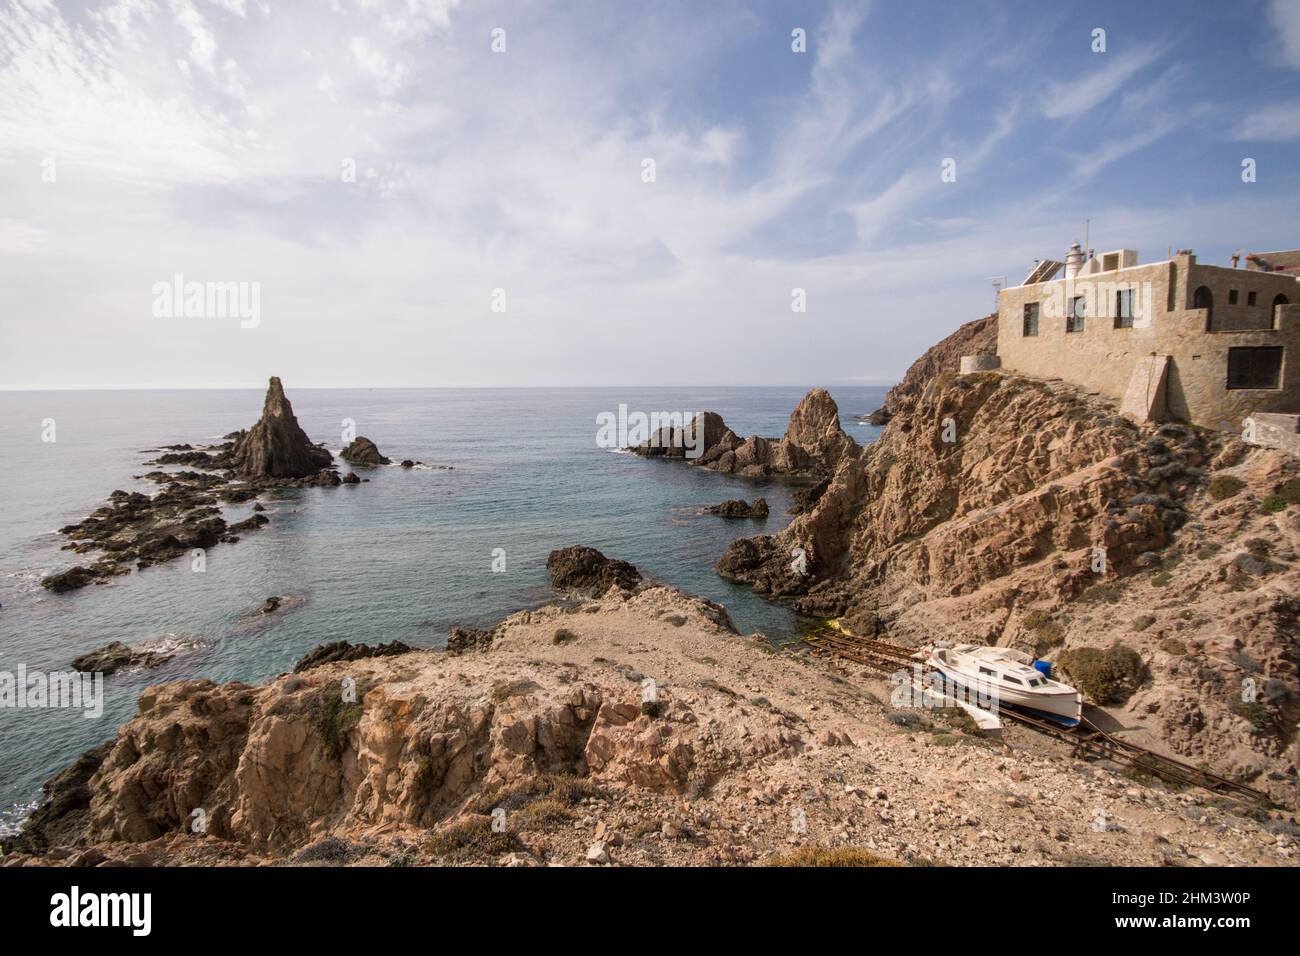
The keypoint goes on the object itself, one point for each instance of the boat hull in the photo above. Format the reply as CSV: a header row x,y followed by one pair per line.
x,y
1064,708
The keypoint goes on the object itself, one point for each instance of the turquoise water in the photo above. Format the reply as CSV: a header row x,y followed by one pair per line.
x,y
404,557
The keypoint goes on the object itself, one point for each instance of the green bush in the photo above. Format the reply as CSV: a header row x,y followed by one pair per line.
x,y
1290,491
1272,504
1255,712
1107,677
1224,486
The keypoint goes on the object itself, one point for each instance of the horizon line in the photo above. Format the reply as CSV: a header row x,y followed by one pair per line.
x,y
399,388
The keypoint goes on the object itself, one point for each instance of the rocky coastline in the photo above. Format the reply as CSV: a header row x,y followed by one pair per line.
x,y
635,727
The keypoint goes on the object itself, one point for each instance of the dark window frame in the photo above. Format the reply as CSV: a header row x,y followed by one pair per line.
x,y
1076,313
1244,377
1233,297
1124,309
1030,320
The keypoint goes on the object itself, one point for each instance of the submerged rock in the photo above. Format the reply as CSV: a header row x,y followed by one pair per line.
x,y
740,509
113,657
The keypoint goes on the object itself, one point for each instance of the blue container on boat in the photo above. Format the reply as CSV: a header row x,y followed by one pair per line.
x,y
1044,668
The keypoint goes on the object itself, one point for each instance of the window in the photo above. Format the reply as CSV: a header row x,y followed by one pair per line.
x,y
1124,309
1074,317
1031,318
1255,367
1232,297
1250,298
1011,680
985,670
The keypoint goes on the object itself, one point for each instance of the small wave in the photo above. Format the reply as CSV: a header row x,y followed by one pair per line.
x,y
12,817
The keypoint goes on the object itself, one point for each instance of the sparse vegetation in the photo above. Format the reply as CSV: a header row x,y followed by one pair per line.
x,y
515,688
652,708
1047,633
830,856
1222,487
1162,579
470,839
334,720
1255,712
1108,676
565,790
1143,621
1174,647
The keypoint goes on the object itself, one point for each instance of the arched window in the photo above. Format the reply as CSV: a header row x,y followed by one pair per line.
x,y
1278,299
1202,299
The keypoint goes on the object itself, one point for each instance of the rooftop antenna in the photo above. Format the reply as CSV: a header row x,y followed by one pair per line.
x,y
999,282
1087,252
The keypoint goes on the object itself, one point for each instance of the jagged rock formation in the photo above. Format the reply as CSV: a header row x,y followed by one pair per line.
x,y
979,337
813,445
277,447
337,651
362,451
586,570
1000,509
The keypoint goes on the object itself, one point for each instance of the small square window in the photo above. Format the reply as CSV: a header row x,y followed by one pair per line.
x,y
1124,309
1074,318
1031,318
1250,298
1232,297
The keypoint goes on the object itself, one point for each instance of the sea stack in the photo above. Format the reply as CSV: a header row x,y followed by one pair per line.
x,y
277,447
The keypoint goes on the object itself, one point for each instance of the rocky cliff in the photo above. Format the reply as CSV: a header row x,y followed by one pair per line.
x,y
978,337
999,509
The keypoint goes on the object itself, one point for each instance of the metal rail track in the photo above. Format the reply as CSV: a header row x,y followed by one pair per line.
x,y
1087,739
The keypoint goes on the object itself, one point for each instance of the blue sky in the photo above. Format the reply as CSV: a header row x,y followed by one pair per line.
x,y
207,138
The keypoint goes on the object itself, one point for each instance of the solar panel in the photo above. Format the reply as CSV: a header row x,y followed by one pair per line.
x,y
1043,271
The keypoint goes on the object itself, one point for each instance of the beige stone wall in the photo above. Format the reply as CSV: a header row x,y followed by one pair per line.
x,y
1102,357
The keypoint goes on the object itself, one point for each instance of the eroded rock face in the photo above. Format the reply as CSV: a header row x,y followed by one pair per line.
x,y
362,451
979,337
588,571
277,447
813,445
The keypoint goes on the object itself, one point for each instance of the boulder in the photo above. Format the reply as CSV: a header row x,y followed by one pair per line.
x,y
587,570
362,451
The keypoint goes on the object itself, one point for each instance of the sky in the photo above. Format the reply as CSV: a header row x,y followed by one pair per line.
x,y
606,192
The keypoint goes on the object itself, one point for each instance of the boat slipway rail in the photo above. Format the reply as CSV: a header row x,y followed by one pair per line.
x,y
1087,739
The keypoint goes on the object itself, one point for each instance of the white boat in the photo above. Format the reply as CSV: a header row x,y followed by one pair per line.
x,y
1004,675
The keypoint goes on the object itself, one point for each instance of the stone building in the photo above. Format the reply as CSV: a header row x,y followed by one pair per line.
x,y
1172,339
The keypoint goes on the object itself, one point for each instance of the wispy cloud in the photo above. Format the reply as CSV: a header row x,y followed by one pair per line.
x,y
1093,87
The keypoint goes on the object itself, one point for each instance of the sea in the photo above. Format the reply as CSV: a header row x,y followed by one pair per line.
x,y
508,475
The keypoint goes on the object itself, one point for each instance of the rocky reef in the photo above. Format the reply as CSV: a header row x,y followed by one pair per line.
x,y
813,446
144,530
